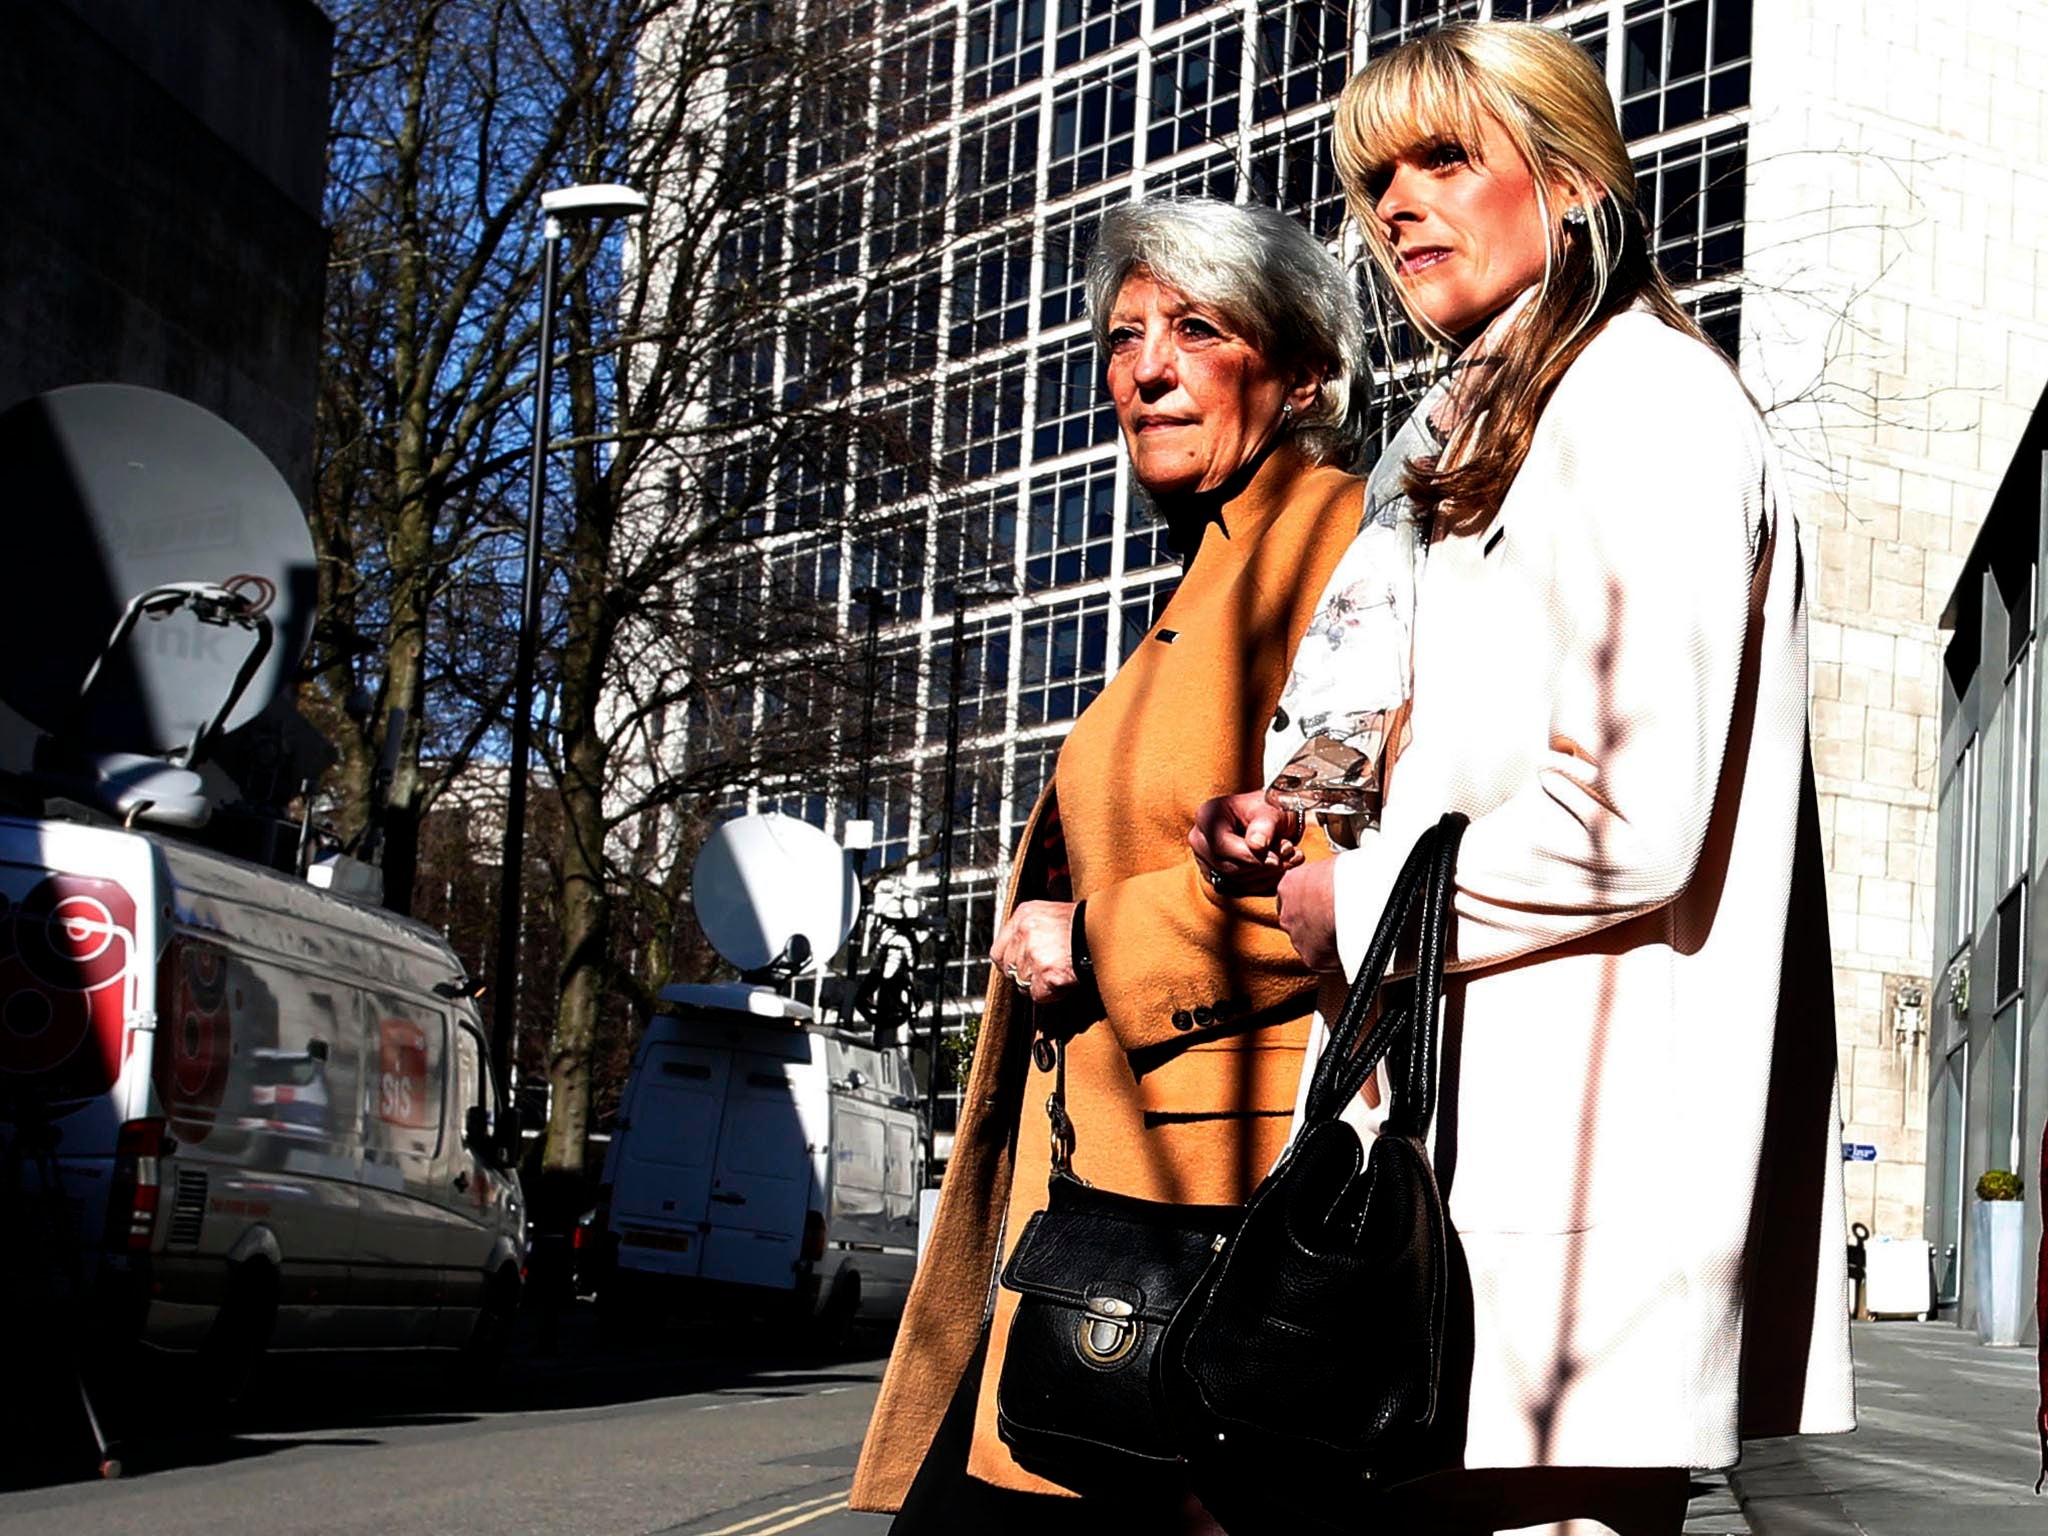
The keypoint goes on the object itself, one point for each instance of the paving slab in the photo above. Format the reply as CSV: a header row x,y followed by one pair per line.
x,y
1944,1446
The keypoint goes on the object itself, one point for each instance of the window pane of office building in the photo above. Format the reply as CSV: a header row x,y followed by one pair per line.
x,y
1069,237
977,540
998,166
1292,170
984,679
1194,89
1089,27
1693,195
1211,176
1063,662
1005,46
975,831
984,422
917,79
1094,123
1071,526
1681,61
1304,56
1073,407
991,293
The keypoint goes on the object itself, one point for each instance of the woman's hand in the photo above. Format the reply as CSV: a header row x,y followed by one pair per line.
x,y
1308,911
1245,842
1035,949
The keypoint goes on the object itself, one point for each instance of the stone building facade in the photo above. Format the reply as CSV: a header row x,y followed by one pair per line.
x,y
1895,324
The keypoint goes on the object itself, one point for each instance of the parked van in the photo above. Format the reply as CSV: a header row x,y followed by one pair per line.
x,y
256,1114
760,1162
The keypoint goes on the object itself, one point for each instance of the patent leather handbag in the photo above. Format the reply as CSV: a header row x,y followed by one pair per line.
x,y
1308,1356
1098,1276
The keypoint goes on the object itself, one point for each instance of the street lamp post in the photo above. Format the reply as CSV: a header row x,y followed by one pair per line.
x,y
942,930
604,200
871,599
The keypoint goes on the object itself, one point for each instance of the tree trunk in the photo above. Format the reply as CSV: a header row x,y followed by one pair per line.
x,y
405,688
412,527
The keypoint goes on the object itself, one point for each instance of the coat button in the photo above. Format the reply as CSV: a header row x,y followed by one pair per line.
x,y
1182,1019
1204,1016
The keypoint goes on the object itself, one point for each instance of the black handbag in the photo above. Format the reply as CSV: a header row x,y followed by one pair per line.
x,y
1099,1276
1309,1355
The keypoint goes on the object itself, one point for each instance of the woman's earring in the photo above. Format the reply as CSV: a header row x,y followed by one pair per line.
x,y
1575,216
1286,410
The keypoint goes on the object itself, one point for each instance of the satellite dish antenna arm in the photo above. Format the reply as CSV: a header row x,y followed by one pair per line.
x,y
211,604
786,966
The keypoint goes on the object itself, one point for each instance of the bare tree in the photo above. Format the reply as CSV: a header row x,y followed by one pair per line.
x,y
703,409
449,118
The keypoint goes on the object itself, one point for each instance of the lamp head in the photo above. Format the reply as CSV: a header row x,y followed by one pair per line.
x,y
599,200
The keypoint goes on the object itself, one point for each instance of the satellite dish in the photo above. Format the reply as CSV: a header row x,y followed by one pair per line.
x,y
767,888
150,543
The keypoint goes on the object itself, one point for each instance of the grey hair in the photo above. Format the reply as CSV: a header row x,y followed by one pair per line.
x,y
1268,277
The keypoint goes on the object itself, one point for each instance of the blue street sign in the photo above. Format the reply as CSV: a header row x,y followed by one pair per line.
x,y
1858,1152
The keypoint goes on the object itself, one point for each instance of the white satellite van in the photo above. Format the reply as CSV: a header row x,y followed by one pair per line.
x,y
760,1162
238,1111
262,1112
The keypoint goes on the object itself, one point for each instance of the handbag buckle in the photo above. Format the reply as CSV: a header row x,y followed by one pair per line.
x,y
1108,1330
1062,1135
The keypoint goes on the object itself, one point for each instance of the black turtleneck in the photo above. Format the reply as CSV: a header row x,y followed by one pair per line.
x,y
1189,512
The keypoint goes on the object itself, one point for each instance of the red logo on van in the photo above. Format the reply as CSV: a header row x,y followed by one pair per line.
x,y
194,1045
65,949
402,1074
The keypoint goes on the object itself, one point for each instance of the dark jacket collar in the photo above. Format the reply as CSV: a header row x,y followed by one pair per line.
x,y
1238,507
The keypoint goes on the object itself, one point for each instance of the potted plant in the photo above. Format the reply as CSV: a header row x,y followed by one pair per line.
x,y
2000,1226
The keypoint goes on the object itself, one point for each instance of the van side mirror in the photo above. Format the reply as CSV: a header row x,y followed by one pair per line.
x,y
511,1126
476,1129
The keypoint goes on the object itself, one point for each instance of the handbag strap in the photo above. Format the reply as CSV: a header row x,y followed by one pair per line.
x,y
1426,880
1342,1068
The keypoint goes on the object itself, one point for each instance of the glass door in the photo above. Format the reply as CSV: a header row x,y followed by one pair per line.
x,y
1951,1110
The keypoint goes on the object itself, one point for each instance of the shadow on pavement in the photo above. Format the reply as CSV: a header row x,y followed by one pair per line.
x,y
301,1396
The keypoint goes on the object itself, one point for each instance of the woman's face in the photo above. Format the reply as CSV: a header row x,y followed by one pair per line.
x,y
1195,398
1466,230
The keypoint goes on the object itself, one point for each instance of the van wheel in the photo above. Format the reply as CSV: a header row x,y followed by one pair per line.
x,y
478,1363
233,1351
621,1317
829,1329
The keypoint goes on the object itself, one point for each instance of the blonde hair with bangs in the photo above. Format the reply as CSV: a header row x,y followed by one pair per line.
x,y
1552,103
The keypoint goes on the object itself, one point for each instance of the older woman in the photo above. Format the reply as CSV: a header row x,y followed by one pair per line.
x,y
1636,1134
1231,340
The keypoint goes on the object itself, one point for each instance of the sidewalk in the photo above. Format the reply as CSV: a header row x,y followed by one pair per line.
x,y
1945,1446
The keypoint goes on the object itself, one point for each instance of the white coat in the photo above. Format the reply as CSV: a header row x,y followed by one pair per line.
x,y
1638,1129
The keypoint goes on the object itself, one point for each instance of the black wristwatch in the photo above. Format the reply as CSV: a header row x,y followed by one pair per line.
x,y
1077,941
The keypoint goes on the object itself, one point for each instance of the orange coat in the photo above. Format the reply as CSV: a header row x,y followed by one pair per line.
x,y
1183,1092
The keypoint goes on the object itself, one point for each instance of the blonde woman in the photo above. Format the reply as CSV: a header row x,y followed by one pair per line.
x,y
1597,630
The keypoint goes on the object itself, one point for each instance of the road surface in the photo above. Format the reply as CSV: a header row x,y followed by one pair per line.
x,y
689,1434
